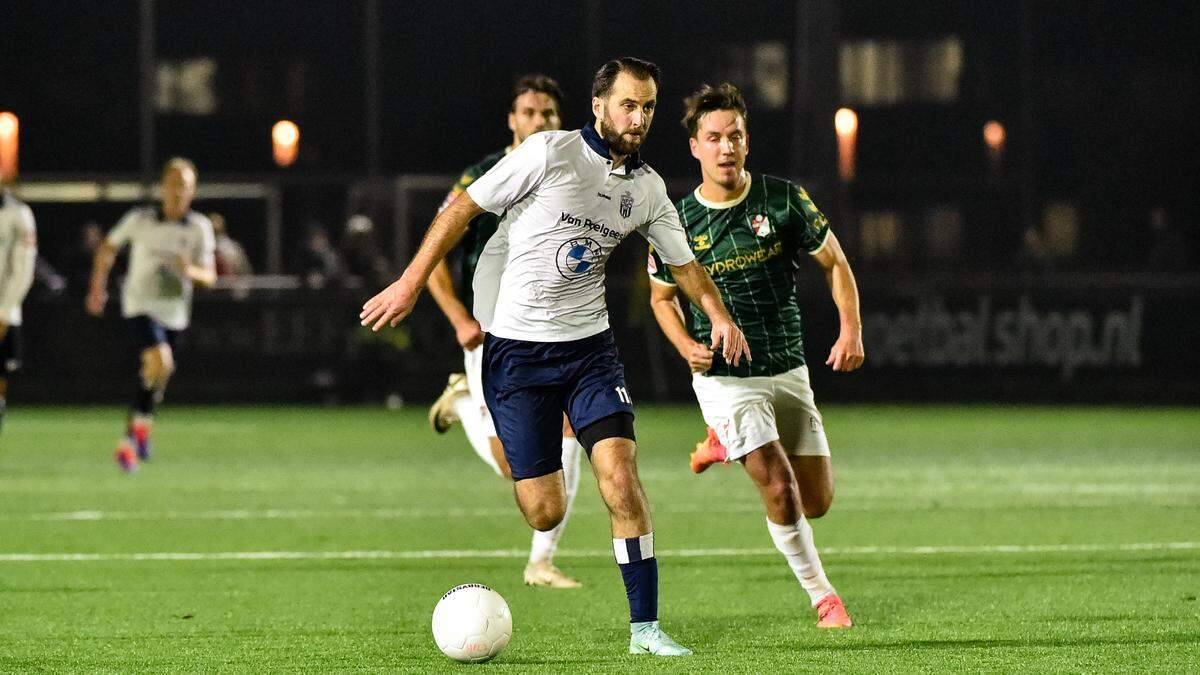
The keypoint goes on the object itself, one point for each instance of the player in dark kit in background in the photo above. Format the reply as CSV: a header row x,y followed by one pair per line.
x,y
568,199
535,105
749,232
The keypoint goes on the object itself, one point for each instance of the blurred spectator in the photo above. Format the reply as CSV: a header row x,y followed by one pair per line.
x,y
45,275
360,253
1168,247
320,263
231,257
79,256
1056,244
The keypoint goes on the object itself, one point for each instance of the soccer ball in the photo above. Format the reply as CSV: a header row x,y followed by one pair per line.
x,y
471,623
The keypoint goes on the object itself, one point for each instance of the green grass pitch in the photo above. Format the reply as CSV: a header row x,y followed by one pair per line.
x,y
962,539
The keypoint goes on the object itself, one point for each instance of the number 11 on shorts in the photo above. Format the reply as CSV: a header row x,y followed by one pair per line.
x,y
623,394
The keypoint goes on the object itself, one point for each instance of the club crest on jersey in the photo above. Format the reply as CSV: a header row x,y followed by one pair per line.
x,y
577,257
626,204
761,225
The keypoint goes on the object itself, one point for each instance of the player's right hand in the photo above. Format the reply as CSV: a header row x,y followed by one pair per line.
x,y
97,298
732,342
390,306
699,357
469,334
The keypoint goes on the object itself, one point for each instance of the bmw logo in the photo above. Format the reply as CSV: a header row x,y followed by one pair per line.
x,y
578,256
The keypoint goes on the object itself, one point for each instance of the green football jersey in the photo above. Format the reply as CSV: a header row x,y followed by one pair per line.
x,y
751,247
480,229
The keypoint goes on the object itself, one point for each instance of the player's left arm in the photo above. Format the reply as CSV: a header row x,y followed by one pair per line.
x,y
21,264
201,264
847,353
700,290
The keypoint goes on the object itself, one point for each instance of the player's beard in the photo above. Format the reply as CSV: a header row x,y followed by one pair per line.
x,y
617,144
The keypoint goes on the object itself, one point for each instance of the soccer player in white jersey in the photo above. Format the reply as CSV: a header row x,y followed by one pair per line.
x,y
567,198
750,232
18,255
172,249
535,105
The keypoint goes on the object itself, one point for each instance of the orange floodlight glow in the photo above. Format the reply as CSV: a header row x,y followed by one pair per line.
x,y
10,130
285,142
994,135
845,121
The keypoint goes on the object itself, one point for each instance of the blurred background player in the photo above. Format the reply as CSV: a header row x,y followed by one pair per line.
x,y
18,255
749,232
568,199
171,250
535,105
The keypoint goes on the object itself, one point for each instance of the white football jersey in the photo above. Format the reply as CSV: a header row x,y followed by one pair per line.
x,y
18,256
154,286
563,210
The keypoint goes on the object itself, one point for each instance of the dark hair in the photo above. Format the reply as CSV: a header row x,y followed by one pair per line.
x,y
607,75
536,82
708,98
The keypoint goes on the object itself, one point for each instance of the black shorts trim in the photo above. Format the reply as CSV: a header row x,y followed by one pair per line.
x,y
149,333
10,351
616,425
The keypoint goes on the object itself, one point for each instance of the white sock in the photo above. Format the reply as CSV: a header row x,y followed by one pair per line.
x,y
472,421
795,542
544,544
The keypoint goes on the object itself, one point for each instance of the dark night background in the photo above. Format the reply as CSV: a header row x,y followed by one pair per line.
x,y
1098,175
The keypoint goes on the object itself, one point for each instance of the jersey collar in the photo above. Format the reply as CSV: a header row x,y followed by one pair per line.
x,y
162,217
600,147
726,204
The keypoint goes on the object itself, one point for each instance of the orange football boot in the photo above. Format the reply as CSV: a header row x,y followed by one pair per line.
x,y
831,613
708,452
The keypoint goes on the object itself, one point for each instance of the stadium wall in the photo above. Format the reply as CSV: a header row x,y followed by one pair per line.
x,y
1062,338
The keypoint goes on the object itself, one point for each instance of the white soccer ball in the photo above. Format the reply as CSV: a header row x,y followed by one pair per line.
x,y
471,623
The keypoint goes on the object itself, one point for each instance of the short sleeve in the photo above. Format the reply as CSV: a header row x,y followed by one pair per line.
x,y
513,178
464,181
657,269
122,232
206,253
812,227
664,231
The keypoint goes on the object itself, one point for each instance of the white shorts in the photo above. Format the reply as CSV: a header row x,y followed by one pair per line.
x,y
473,366
749,412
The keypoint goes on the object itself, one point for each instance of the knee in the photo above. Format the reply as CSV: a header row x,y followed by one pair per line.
x,y
781,495
158,366
818,505
622,493
543,517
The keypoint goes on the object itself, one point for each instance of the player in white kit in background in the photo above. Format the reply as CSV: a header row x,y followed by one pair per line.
x,y
568,199
18,255
171,250
535,105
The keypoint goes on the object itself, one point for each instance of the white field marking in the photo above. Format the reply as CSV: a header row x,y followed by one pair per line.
x,y
515,553
106,429
503,512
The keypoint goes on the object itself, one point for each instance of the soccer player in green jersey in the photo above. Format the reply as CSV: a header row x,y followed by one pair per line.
x,y
534,106
749,232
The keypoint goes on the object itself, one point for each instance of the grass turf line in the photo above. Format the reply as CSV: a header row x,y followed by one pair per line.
x,y
923,476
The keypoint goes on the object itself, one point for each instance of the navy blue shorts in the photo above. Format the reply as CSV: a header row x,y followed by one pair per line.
x,y
149,333
10,351
529,385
